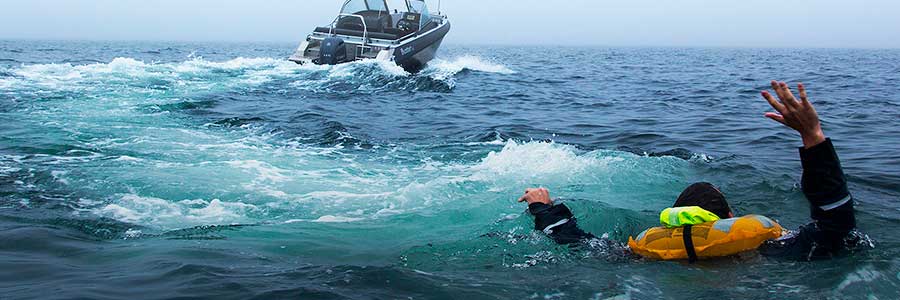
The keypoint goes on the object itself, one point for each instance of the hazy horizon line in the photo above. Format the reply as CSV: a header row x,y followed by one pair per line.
x,y
452,43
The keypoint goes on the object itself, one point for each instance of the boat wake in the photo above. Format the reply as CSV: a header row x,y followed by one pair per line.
x,y
445,69
379,76
294,187
105,109
241,73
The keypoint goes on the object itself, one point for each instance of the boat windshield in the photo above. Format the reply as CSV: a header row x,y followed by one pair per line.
x,y
355,6
419,7
397,6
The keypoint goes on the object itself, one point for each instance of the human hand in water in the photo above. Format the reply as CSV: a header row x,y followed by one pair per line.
x,y
798,115
538,195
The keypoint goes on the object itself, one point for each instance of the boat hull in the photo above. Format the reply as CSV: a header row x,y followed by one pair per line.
x,y
413,56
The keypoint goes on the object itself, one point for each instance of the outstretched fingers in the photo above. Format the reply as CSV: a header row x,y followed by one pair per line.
x,y
787,97
803,96
778,91
777,117
774,103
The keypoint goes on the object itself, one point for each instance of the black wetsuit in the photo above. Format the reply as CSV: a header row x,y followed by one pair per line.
x,y
831,232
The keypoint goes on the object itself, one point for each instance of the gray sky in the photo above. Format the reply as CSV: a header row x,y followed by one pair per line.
x,y
738,23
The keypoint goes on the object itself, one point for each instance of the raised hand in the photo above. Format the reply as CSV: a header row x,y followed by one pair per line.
x,y
538,195
798,115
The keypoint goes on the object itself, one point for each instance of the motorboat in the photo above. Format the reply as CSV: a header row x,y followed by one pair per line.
x,y
401,31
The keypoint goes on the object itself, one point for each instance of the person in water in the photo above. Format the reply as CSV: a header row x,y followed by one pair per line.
x,y
831,232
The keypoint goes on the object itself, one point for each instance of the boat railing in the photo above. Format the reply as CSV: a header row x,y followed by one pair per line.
x,y
361,18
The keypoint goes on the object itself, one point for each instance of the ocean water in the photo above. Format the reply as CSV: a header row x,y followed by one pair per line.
x,y
216,170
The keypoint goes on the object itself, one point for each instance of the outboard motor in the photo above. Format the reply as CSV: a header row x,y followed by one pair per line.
x,y
332,51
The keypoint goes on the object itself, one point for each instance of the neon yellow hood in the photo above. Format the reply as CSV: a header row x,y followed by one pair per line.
x,y
682,216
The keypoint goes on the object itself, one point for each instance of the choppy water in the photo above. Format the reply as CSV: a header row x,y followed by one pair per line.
x,y
163,170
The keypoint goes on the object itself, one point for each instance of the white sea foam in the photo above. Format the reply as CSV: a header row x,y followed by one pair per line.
x,y
6,83
58,176
239,63
121,65
133,234
336,219
349,70
127,158
497,142
244,71
266,172
441,69
387,212
171,215
375,74
326,219
341,196
289,183
200,74
526,161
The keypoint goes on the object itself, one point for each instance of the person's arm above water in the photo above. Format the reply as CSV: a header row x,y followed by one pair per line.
x,y
823,182
557,221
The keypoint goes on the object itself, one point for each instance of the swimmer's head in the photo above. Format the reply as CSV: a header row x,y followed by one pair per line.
x,y
706,196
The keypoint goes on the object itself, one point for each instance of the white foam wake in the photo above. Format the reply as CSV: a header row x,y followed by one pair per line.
x,y
160,212
304,184
198,74
441,69
537,159
191,74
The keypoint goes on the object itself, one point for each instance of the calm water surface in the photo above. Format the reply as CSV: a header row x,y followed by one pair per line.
x,y
164,170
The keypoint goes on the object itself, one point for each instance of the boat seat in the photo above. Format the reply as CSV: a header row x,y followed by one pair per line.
x,y
389,34
376,21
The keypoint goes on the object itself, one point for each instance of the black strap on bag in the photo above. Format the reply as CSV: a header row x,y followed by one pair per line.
x,y
689,244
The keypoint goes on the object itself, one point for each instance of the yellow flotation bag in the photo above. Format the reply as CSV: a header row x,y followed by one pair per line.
x,y
718,238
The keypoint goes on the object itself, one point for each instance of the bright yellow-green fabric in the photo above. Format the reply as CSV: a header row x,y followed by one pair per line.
x,y
683,216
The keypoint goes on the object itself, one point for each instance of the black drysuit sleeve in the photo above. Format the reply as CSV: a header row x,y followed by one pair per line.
x,y
831,205
557,222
